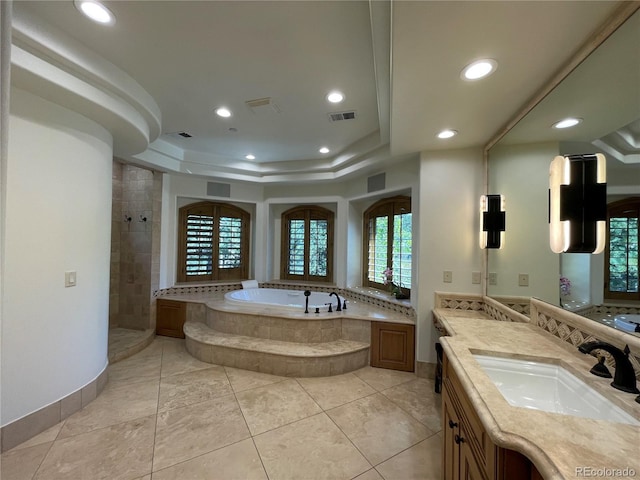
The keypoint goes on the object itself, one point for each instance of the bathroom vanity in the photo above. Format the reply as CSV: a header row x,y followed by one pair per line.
x,y
468,452
486,437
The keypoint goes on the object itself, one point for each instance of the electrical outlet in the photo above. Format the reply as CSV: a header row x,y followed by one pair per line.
x,y
523,279
447,276
493,278
475,278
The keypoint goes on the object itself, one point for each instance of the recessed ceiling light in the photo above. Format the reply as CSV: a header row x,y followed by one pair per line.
x,y
567,122
95,11
479,69
250,157
447,133
324,150
223,112
335,97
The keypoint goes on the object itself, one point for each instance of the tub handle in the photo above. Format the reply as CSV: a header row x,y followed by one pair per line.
x,y
330,305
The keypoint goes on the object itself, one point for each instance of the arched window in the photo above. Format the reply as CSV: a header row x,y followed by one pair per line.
x,y
307,244
387,244
213,242
621,254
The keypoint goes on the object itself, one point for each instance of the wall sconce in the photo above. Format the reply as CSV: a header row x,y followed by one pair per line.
x,y
492,221
142,218
127,218
578,203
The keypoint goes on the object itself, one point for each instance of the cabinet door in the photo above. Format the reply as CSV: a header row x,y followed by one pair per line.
x,y
450,428
469,468
393,346
170,318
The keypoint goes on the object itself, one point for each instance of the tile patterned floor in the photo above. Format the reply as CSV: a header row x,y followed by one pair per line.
x,y
165,415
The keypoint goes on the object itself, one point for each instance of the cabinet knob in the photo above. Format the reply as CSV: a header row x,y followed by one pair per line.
x,y
452,424
458,439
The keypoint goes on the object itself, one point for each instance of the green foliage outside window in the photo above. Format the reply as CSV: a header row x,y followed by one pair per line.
x,y
623,254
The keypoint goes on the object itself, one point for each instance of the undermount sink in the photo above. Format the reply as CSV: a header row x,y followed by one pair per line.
x,y
549,387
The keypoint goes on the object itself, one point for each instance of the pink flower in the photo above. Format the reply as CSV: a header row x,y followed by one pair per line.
x,y
388,276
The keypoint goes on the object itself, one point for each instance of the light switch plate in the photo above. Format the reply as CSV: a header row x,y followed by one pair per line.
x,y
447,276
70,279
475,278
493,278
523,279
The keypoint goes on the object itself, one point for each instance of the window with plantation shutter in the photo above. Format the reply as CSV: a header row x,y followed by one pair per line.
x,y
213,242
622,271
199,245
307,244
387,244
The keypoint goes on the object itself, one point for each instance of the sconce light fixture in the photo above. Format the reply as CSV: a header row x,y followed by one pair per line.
x,y
492,221
142,218
127,218
578,203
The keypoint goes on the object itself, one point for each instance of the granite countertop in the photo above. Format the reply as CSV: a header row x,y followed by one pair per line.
x,y
558,445
356,310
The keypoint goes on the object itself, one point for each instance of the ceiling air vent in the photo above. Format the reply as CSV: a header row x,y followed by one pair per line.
x,y
337,116
262,104
179,134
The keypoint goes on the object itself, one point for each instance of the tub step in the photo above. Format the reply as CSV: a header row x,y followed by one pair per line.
x,y
275,357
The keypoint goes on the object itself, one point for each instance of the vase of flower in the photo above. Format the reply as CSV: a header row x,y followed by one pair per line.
x,y
394,289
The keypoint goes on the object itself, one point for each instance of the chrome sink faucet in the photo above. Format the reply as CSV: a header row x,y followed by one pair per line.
x,y
339,307
624,378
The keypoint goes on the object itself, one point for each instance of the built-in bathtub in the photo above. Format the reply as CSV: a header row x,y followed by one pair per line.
x,y
266,330
288,299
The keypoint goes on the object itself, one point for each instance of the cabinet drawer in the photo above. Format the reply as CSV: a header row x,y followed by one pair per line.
x,y
478,439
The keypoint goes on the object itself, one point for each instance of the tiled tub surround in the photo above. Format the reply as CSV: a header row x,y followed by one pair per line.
x,y
278,341
606,313
557,444
353,295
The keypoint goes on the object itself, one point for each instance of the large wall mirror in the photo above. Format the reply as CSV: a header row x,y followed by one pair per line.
x,y
604,92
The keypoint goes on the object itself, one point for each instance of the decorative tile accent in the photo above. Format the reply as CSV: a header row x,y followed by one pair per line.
x,y
503,313
469,303
458,301
462,304
615,309
218,290
575,330
518,304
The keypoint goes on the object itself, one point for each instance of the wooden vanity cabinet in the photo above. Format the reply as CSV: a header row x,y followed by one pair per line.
x,y
467,452
393,346
170,317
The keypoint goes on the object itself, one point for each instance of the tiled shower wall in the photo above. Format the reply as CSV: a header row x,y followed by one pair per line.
x,y
116,227
135,252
